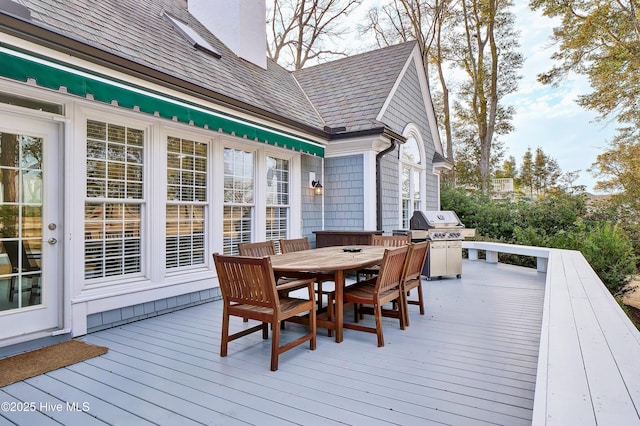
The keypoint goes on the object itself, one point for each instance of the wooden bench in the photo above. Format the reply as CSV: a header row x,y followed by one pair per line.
x,y
589,357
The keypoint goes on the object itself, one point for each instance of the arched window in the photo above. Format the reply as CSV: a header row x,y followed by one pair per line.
x,y
412,166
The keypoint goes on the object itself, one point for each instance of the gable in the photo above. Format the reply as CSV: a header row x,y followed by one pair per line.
x,y
349,93
410,102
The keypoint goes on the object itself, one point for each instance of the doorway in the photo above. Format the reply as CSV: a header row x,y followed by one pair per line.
x,y
30,200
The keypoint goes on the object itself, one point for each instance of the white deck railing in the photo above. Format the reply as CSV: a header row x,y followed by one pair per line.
x,y
589,358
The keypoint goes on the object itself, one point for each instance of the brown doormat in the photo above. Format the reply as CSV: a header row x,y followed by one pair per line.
x,y
29,364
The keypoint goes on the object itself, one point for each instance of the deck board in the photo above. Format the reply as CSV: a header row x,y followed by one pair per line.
x,y
470,360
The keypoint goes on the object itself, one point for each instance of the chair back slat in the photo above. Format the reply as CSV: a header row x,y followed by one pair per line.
x,y
391,268
294,244
391,240
247,280
260,249
415,260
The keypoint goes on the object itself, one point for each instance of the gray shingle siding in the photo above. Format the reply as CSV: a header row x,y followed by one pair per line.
x,y
390,192
407,106
116,317
344,193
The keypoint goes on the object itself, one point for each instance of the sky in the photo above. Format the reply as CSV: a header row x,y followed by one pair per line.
x,y
547,117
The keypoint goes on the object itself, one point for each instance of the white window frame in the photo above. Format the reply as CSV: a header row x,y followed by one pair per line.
x,y
147,128
412,131
171,133
258,226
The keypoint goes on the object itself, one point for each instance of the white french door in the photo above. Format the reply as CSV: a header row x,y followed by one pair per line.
x,y
30,219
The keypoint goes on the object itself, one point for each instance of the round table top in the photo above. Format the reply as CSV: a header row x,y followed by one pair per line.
x,y
329,258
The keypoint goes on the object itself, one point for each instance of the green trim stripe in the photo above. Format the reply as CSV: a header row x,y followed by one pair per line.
x,y
21,66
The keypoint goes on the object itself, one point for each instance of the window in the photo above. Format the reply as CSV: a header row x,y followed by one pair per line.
x,y
186,202
238,198
194,38
411,186
114,200
277,198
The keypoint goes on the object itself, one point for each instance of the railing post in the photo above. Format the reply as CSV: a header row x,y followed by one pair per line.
x,y
473,254
492,256
542,264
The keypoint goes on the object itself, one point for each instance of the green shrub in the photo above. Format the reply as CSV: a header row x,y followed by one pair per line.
x,y
610,253
555,221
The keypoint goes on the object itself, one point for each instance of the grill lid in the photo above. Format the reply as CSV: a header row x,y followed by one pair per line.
x,y
435,219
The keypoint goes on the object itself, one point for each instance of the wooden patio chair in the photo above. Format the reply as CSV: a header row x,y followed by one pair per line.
x,y
259,249
384,241
411,277
300,244
383,288
249,291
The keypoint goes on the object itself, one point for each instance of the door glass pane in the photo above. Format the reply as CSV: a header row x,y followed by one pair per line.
x,y
20,221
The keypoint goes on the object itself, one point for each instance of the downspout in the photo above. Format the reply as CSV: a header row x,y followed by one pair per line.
x,y
379,156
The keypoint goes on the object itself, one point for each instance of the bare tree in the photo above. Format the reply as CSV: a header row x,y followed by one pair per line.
x,y
299,30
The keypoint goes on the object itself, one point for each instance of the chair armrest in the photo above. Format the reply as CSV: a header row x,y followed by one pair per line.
x,y
295,284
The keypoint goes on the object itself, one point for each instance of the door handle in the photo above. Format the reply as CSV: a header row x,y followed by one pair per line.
x,y
52,241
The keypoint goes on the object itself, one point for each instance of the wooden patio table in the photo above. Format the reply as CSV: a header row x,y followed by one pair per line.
x,y
330,259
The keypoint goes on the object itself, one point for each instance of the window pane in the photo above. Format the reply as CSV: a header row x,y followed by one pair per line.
x,y
277,181
112,239
114,153
237,228
185,235
277,198
186,185
276,223
238,176
115,169
411,152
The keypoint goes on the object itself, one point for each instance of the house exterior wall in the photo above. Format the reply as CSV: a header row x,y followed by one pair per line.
x,y
344,193
110,301
408,106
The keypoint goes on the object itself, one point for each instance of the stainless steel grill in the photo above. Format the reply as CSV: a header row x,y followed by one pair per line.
x,y
446,232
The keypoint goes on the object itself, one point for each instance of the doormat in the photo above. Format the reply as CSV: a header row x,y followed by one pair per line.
x,y
29,364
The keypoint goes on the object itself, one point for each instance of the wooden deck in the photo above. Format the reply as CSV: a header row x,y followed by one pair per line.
x,y
470,360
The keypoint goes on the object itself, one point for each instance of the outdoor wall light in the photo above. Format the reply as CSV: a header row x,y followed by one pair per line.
x,y
315,184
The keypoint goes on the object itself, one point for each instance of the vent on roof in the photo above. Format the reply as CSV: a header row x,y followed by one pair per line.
x,y
15,9
194,38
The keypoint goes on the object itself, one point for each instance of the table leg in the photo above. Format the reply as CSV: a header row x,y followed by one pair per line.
x,y
339,283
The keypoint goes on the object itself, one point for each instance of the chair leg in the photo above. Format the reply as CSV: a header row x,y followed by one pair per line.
x,y
312,329
402,311
330,312
225,333
421,300
275,345
403,306
378,314
319,301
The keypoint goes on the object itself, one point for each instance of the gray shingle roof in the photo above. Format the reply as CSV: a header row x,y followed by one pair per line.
x,y
350,92
115,26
